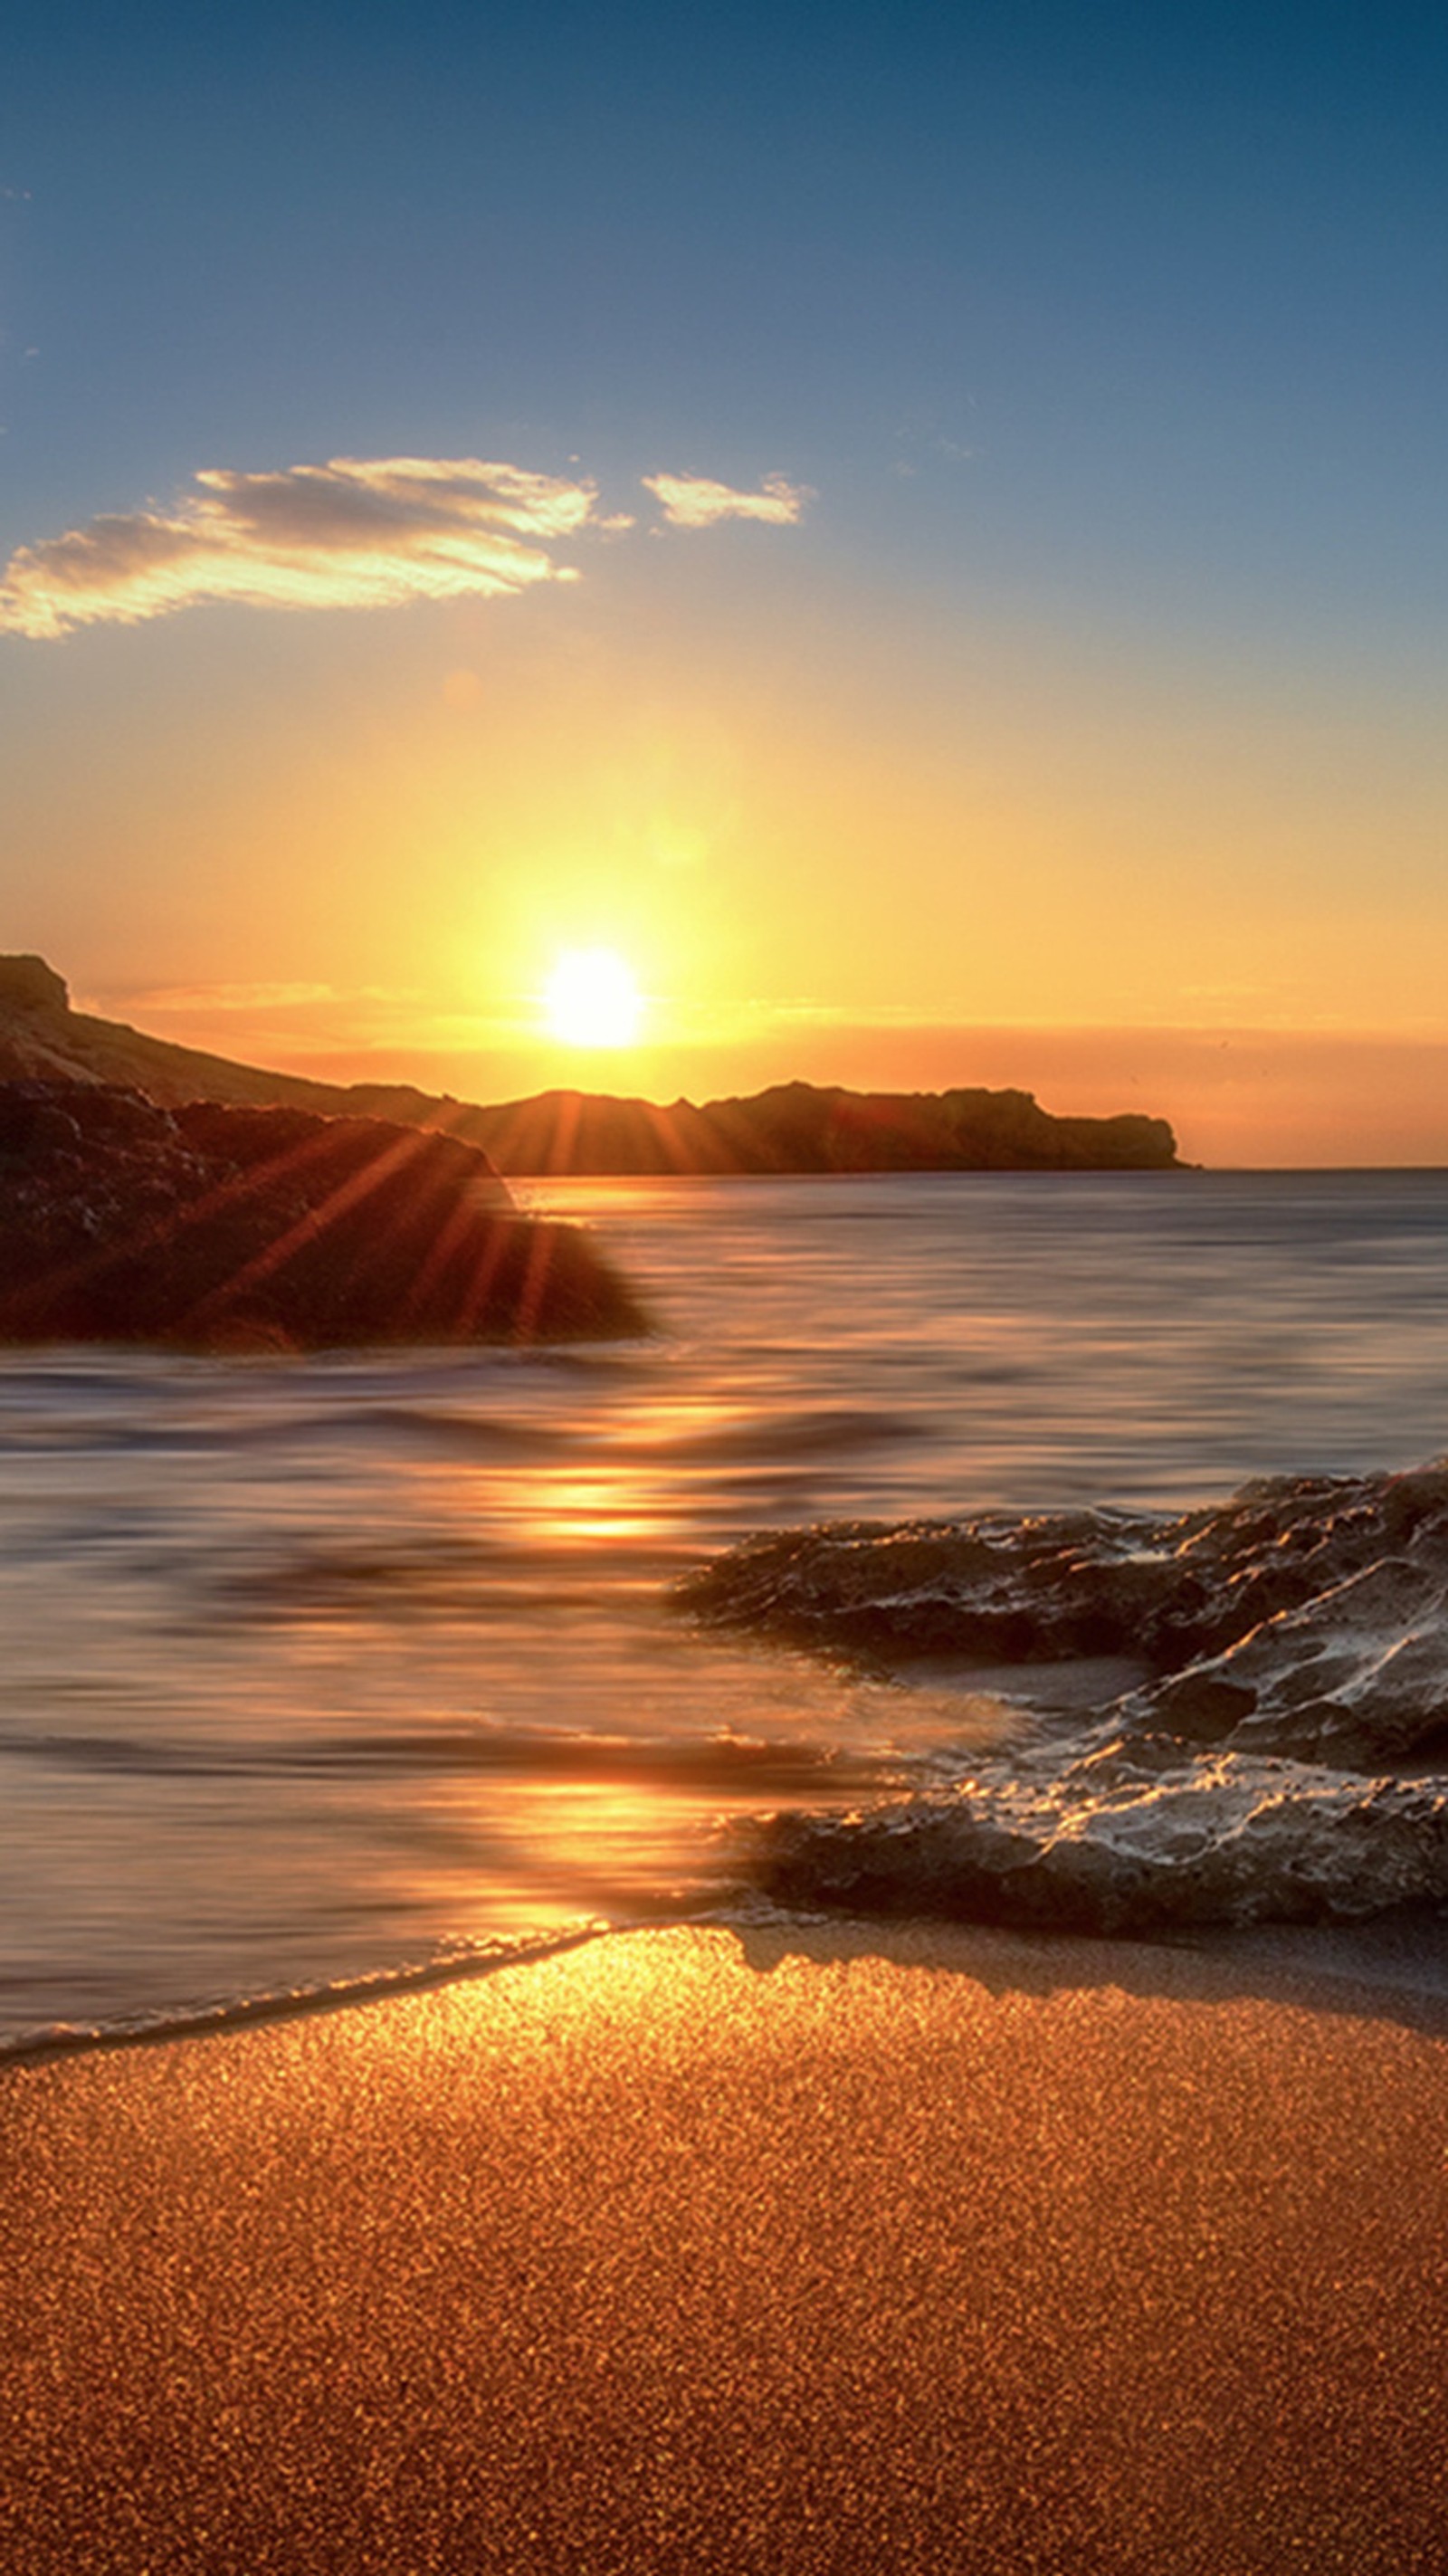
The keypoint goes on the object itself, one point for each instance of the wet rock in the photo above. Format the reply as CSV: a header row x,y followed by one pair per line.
x,y
1309,1615
1233,1840
1300,1638
210,1227
1357,1676
1002,1588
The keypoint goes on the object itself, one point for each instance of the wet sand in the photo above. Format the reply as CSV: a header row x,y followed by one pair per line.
x,y
687,2251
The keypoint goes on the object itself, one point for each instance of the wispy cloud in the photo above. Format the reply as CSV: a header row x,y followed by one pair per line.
x,y
354,533
690,501
226,997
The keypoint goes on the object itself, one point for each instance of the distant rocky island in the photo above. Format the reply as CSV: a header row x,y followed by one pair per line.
x,y
801,1127
794,1127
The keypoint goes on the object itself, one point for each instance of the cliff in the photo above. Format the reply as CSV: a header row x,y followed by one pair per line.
x,y
43,1039
793,1127
799,1127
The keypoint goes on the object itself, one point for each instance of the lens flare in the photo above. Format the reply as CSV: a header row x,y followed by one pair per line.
x,y
592,999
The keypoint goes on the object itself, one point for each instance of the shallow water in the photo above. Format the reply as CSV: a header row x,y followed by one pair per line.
x,y
313,1668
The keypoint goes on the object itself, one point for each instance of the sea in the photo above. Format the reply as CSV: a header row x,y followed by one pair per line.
x,y
323,1676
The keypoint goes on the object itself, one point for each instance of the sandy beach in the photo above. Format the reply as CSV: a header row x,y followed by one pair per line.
x,y
791,2250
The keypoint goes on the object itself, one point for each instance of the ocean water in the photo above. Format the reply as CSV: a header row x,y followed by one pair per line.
x,y
315,1672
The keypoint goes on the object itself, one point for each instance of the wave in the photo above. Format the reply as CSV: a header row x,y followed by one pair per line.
x,y
725,1764
449,1964
1277,1763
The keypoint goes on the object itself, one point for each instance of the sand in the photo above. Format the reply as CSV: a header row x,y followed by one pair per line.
x,y
817,2251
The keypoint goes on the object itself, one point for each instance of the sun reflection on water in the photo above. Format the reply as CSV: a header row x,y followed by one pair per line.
x,y
308,1667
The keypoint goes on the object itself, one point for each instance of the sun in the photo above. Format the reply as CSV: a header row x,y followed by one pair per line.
x,y
592,999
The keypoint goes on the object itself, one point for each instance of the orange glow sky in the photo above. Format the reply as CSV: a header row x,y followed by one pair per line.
x,y
1044,689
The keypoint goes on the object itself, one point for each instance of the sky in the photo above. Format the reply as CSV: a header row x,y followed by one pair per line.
x,y
919,532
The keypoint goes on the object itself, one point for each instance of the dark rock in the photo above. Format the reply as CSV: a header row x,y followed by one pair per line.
x,y
1309,1616
211,1227
1001,1588
1230,1839
1300,1638
43,1040
801,1127
28,984
1356,1676
792,1127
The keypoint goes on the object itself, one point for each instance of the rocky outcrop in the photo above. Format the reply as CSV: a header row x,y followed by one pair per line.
x,y
795,1127
28,986
1111,1844
799,1127
207,1227
1308,1616
43,1040
1279,1760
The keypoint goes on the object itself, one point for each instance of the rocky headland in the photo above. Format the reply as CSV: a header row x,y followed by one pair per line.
x,y
152,1193
792,1127
802,1127
43,1040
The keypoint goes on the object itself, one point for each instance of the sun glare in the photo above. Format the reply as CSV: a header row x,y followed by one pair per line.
x,y
592,1000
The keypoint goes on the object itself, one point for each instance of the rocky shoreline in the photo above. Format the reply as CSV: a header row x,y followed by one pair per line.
x,y
793,1127
1283,1760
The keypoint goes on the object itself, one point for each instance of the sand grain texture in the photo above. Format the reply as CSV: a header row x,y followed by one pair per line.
x,y
926,2251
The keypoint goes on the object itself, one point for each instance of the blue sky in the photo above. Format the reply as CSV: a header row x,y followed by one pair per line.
x,y
1181,274
1104,349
